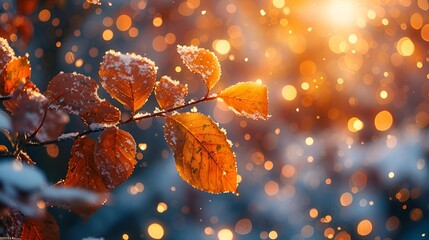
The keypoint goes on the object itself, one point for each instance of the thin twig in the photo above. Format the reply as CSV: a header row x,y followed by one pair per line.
x,y
135,119
4,98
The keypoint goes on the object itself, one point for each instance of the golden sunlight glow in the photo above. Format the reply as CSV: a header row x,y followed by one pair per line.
x,y
222,46
225,234
405,47
155,231
341,13
289,92
355,124
279,3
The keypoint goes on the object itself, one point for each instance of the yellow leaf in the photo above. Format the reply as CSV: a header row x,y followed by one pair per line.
x,y
202,62
203,155
247,99
170,93
129,78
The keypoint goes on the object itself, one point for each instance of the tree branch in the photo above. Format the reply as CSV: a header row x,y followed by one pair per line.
x,y
133,119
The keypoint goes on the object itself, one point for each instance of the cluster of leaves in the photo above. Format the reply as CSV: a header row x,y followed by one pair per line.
x,y
20,23
202,152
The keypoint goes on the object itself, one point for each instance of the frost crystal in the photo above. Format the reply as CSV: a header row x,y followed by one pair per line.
x,y
97,126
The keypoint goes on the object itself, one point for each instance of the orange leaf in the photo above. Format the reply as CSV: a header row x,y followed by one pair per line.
x,y
11,223
170,93
16,72
77,94
202,62
104,113
6,53
83,173
203,155
247,99
41,229
129,78
115,156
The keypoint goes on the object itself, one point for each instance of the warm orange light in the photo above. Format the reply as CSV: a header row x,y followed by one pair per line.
x,y
383,121
123,22
364,227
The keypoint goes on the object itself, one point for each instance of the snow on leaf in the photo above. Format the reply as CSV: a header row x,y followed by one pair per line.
x,y
82,173
247,99
115,156
72,92
170,93
77,94
41,229
6,53
104,113
15,73
11,222
203,156
129,78
202,62
28,108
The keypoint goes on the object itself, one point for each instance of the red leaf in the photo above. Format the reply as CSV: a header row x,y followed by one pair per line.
x,y
83,173
73,92
11,223
6,53
170,93
53,126
129,78
15,73
115,156
28,107
77,94
41,229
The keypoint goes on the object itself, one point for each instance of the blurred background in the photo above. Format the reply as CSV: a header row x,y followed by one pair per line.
x,y
342,157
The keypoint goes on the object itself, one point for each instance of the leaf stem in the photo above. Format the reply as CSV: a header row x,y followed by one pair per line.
x,y
130,120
